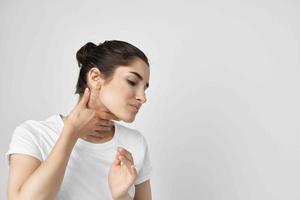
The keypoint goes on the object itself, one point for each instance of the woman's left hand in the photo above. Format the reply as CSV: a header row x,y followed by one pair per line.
x,y
122,174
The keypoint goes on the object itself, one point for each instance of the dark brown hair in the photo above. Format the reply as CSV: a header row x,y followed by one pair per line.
x,y
106,57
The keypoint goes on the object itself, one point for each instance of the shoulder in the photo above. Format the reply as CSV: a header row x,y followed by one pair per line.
x,y
28,127
34,128
26,138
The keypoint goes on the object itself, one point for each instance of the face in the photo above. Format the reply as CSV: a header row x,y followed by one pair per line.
x,y
124,94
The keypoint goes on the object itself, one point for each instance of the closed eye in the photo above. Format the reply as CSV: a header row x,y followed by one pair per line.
x,y
131,83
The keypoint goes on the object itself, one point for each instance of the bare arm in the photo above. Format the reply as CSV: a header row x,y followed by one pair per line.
x,y
143,191
30,179
45,180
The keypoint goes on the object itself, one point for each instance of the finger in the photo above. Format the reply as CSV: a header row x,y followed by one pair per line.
x,y
129,165
100,128
126,162
134,170
117,161
104,122
85,98
126,153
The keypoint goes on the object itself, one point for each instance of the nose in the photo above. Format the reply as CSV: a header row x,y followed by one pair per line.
x,y
141,96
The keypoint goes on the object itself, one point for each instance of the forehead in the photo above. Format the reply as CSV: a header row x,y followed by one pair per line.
x,y
138,66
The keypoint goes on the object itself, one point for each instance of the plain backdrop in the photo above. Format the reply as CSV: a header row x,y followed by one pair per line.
x,y
222,116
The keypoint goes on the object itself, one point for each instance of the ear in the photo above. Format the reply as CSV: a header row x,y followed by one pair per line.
x,y
95,78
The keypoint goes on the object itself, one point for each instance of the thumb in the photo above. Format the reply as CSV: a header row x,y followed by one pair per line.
x,y
85,98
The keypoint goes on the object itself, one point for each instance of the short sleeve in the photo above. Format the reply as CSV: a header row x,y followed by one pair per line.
x,y
24,142
146,169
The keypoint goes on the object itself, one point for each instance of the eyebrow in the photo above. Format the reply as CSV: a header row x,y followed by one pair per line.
x,y
140,77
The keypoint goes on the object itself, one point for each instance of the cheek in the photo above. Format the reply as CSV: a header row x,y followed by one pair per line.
x,y
117,102
116,98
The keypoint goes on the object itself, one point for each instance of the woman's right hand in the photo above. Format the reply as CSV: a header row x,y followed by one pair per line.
x,y
83,121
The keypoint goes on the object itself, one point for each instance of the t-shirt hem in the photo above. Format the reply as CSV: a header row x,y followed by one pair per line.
x,y
143,179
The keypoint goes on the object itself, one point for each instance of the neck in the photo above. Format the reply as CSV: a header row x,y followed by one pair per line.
x,y
104,137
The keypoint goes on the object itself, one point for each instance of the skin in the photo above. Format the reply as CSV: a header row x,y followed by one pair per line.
x,y
105,101
115,95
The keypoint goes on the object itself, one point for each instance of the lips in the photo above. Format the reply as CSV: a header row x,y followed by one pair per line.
x,y
136,108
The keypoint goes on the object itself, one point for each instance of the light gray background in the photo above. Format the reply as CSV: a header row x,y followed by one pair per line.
x,y
222,117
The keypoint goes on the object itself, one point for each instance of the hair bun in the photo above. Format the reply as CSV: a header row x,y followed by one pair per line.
x,y
83,53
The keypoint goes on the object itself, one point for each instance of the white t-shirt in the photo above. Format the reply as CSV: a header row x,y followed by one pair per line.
x,y
86,175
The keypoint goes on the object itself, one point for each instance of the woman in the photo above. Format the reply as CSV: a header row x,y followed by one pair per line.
x,y
86,154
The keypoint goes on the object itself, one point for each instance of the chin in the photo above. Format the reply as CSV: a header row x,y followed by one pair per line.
x,y
128,118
